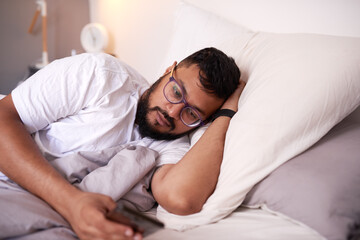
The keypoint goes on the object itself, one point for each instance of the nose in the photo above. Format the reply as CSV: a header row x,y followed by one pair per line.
x,y
174,110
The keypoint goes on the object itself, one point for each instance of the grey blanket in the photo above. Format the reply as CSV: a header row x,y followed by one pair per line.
x,y
123,173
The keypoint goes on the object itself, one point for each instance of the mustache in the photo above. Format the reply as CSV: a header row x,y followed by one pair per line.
x,y
166,116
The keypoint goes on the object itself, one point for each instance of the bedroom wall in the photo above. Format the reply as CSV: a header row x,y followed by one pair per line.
x,y
140,31
20,49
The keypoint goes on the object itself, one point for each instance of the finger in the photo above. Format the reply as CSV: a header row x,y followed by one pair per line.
x,y
242,84
109,204
116,230
95,225
119,218
110,230
138,236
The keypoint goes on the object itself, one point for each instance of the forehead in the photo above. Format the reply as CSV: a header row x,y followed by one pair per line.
x,y
194,92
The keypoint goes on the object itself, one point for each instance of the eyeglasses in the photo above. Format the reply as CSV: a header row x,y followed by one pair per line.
x,y
173,92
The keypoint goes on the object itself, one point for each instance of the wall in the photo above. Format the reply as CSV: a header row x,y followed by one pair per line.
x,y
140,30
20,49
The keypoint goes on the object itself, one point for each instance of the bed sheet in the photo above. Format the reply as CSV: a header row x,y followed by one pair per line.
x,y
244,223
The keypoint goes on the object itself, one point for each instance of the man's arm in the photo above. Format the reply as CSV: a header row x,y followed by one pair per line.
x,y
22,161
183,188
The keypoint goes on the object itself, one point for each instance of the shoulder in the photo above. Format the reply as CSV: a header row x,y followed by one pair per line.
x,y
98,62
105,72
114,67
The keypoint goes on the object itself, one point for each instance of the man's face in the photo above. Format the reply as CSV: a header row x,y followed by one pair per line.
x,y
160,119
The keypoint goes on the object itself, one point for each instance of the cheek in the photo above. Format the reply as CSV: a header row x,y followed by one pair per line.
x,y
157,99
180,127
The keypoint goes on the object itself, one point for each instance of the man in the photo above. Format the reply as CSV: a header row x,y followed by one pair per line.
x,y
89,102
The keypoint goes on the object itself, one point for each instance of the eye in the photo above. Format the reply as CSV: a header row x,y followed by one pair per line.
x,y
177,92
191,114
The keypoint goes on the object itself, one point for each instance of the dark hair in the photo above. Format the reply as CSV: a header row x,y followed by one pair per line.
x,y
219,74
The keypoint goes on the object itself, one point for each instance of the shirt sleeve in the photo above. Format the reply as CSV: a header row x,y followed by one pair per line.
x,y
61,89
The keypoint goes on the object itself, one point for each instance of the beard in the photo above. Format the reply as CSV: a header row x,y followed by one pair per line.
x,y
145,127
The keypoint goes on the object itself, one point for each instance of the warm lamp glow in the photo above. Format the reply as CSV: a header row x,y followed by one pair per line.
x,y
41,8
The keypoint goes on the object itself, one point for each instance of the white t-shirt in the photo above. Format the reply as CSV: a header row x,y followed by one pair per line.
x,y
87,103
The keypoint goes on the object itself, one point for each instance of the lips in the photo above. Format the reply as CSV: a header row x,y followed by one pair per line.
x,y
162,120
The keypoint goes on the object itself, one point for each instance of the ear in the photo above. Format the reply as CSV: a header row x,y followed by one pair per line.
x,y
168,70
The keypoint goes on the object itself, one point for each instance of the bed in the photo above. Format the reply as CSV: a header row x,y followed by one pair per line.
x,y
294,136
291,167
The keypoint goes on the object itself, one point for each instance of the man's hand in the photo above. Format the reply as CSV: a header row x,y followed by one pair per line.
x,y
21,158
232,102
87,217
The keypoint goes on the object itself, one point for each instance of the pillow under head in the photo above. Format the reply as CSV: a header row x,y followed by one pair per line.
x,y
298,87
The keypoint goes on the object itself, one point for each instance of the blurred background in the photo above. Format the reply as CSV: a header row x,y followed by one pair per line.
x,y
140,31
19,49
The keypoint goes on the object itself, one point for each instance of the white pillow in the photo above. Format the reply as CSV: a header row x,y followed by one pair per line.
x,y
196,29
299,86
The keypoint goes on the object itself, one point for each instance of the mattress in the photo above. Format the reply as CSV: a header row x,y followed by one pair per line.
x,y
244,223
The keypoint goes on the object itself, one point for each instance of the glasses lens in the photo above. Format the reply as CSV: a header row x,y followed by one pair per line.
x,y
190,117
172,92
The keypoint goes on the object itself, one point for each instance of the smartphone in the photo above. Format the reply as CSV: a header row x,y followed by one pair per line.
x,y
139,221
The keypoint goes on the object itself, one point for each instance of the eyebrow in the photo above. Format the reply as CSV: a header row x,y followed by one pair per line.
x,y
182,85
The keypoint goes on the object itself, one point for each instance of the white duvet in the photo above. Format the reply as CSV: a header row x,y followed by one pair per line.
x,y
122,172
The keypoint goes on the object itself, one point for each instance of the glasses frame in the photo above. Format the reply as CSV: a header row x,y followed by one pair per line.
x,y
182,100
